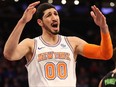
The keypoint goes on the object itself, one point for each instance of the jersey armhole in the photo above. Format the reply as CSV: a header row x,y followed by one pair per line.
x,y
68,43
34,52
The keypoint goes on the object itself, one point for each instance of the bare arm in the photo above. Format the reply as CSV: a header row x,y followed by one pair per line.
x,y
100,84
13,50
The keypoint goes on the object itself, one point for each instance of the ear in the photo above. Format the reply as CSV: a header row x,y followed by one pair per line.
x,y
39,21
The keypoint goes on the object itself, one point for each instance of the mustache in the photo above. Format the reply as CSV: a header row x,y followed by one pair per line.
x,y
54,22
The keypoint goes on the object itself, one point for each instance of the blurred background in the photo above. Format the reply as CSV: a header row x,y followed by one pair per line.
x,y
75,21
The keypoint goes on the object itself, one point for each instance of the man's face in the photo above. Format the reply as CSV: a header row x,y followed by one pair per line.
x,y
51,21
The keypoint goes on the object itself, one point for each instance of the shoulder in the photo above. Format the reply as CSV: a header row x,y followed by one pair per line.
x,y
100,83
72,38
28,42
75,39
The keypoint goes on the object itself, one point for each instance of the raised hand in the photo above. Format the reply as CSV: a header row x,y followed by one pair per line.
x,y
98,17
29,12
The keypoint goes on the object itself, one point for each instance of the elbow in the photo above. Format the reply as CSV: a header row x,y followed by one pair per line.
x,y
107,56
7,55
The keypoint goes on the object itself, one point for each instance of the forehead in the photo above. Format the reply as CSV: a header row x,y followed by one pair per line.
x,y
50,10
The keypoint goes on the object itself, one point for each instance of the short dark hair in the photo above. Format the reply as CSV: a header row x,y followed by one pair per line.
x,y
41,8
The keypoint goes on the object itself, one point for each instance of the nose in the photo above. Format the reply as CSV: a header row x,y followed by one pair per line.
x,y
54,17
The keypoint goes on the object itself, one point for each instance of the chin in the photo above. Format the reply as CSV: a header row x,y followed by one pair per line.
x,y
56,32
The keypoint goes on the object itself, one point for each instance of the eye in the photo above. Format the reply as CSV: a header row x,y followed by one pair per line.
x,y
55,13
48,15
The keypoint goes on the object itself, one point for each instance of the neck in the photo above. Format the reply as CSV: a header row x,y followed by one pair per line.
x,y
50,38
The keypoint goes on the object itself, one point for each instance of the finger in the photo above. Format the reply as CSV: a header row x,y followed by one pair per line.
x,y
94,10
97,12
29,8
34,4
93,15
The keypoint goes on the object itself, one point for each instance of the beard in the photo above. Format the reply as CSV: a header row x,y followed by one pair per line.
x,y
55,32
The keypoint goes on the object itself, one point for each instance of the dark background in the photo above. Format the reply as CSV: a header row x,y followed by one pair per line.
x,y
75,21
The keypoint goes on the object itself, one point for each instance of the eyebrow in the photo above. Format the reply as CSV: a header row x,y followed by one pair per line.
x,y
50,12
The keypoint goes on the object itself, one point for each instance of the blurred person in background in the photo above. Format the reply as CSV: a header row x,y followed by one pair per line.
x,y
109,80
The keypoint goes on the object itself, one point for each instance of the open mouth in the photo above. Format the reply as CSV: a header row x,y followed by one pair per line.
x,y
54,25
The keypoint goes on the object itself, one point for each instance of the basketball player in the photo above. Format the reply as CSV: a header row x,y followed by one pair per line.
x,y
50,56
109,80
